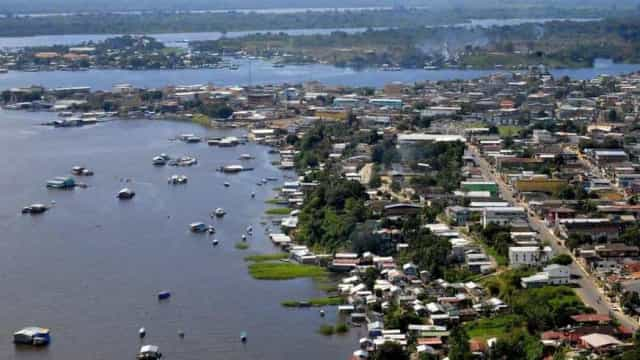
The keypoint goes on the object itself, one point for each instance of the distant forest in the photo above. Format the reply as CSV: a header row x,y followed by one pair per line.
x,y
59,6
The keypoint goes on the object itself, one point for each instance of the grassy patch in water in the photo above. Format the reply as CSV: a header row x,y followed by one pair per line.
x,y
278,211
241,245
315,302
284,271
326,330
266,257
341,328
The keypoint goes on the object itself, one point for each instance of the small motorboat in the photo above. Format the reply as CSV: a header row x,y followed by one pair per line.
x,y
246,157
178,180
243,336
211,230
142,333
253,195
164,295
249,229
198,227
214,242
81,171
321,313
126,194
149,352
219,212
244,237
35,209
32,335
226,184
159,161
181,334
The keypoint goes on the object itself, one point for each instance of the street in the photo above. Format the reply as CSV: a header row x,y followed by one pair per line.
x,y
588,291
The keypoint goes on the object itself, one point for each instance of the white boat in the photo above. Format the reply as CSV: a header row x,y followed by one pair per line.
x,y
149,352
178,179
32,335
215,242
232,168
159,161
142,332
246,157
81,171
126,194
219,212
35,209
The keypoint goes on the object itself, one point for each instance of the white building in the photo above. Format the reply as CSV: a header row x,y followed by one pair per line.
x,y
553,274
502,216
529,255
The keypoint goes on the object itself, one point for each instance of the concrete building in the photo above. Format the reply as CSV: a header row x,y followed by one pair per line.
x,y
503,216
553,274
529,255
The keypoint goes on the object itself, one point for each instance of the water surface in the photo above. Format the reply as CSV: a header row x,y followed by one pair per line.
x,y
90,268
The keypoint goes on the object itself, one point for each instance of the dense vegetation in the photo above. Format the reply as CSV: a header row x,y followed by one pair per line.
x,y
331,213
155,21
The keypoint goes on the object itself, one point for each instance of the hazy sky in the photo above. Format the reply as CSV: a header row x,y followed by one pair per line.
x,y
17,6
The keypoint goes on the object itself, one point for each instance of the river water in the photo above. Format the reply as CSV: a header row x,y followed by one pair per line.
x,y
261,72
90,268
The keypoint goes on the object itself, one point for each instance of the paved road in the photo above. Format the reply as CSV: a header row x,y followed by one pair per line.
x,y
588,292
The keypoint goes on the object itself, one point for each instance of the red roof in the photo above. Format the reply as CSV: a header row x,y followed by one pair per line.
x,y
591,318
430,341
477,345
553,335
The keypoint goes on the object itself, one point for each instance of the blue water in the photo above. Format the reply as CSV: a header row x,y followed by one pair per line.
x,y
261,72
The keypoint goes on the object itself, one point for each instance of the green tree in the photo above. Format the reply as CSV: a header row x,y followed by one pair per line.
x,y
459,348
390,351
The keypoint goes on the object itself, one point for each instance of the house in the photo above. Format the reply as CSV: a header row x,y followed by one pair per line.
x,y
538,184
402,209
458,214
489,186
553,274
600,343
529,255
596,228
503,216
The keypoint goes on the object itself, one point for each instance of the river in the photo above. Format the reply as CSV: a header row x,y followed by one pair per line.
x,y
90,268
261,72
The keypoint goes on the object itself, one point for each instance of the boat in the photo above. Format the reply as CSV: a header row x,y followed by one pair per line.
x,y
243,336
164,295
159,161
190,138
272,179
219,212
253,194
126,194
198,227
81,171
183,161
321,313
149,352
244,237
246,157
142,332
32,335
215,242
61,182
35,209
178,179
232,168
